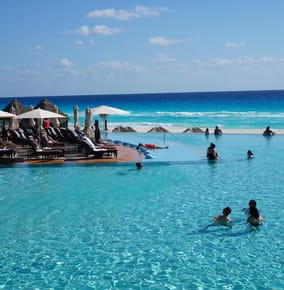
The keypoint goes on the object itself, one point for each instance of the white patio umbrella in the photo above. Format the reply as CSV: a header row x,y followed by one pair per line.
x,y
104,111
39,114
6,115
76,118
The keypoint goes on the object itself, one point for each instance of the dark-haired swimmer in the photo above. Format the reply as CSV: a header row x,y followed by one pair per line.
x,y
254,218
223,219
250,154
252,203
138,166
268,132
211,152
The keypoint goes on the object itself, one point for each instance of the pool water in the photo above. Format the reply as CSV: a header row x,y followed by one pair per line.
x,y
115,227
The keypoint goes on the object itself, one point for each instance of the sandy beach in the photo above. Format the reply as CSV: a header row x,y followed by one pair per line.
x,y
178,130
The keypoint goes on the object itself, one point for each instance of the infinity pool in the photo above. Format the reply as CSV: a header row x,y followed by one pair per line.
x,y
114,227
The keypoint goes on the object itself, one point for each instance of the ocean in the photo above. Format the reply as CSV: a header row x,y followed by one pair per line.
x,y
229,110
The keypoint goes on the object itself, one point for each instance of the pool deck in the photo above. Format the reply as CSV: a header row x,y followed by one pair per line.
x,y
73,155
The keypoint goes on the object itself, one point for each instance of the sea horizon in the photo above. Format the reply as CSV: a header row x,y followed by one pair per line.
x,y
233,111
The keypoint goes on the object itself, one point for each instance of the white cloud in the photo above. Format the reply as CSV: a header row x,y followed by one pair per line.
x,y
121,14
79,42
163,58
235,44
39,47
242,61
114,65
98,29
105,30
65,63
84,30
162,41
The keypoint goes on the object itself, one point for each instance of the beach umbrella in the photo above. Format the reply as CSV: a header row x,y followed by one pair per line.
x,y
104,111
88,124
6,115
158,130
39,114
123,129
76,118
14,122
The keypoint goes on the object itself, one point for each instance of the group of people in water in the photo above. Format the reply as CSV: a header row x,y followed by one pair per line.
x,y
211,150
253,216
212,154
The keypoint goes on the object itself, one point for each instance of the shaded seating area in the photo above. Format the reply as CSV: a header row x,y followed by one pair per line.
x,y
20,137
44,152
8,150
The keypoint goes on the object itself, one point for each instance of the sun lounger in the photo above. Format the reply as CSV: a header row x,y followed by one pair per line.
x,y
7,152
97,151
45,152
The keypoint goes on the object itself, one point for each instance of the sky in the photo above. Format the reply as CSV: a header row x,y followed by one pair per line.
x,y
71,47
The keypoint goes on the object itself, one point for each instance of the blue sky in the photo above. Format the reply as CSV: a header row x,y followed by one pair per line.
x,y
67,47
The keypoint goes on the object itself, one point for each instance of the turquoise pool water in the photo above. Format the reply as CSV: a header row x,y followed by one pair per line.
x,y
113,227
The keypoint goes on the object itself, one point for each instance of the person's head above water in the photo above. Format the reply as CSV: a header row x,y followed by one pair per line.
x,y
252,203
138,165
226,211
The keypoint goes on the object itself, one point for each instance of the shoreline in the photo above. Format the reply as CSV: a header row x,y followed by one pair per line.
x,y
180,130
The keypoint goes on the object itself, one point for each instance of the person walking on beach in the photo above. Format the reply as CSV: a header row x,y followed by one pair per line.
x,y
224,218
211,152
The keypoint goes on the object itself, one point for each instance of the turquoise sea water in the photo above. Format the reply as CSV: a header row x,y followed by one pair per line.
x,y
244,110
113,227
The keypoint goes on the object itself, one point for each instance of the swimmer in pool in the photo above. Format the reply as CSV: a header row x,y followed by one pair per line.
x,y
254,218
151,146
138,166
250,154
211,152
224,218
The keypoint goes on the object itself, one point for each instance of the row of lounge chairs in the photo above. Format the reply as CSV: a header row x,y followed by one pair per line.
x,y
52,142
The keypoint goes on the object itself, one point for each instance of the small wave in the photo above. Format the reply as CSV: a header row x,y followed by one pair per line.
x,y
251,114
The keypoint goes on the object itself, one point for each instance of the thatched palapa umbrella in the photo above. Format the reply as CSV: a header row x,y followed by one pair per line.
x,y
45,104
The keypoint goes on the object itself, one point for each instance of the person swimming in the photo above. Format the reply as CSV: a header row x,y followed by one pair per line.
x,y
223,219
268,131
138,166
250,154
211,152
254,217
151,146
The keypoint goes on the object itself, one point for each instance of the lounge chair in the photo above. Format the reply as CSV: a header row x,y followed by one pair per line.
x,y
97,151
11,153
45,152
